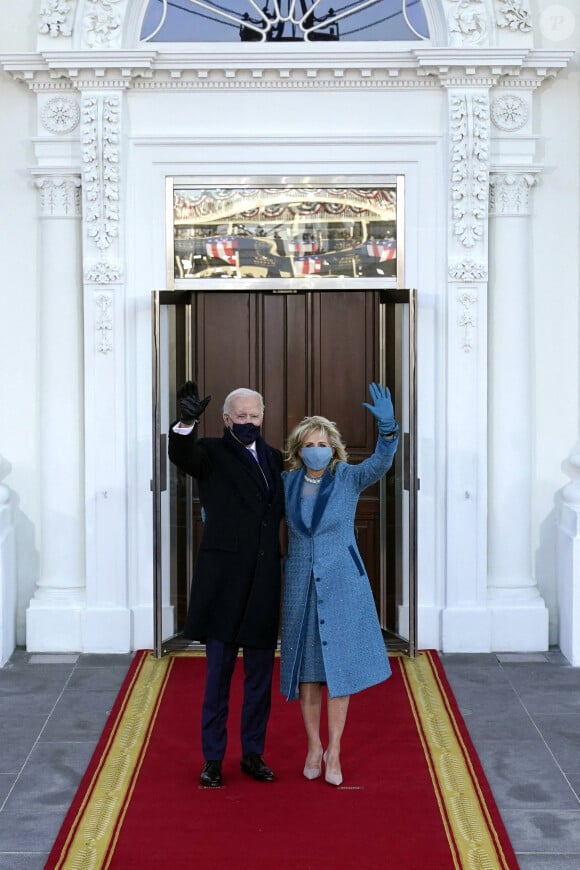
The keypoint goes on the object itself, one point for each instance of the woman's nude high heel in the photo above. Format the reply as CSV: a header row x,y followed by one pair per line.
x,y
312,772
331,778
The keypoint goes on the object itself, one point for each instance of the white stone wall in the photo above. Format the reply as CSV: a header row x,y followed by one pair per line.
x,y
556,363
19,437
556,298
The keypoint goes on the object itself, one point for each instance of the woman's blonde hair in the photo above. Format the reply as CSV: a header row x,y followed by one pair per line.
x,y
302,429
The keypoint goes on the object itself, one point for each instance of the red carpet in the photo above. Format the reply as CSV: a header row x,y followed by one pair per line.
x,y
414,795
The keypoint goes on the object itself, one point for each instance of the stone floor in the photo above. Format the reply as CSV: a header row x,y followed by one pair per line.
x,y
522,710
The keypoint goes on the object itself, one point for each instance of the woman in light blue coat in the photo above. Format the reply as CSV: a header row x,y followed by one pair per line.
x,y
330,630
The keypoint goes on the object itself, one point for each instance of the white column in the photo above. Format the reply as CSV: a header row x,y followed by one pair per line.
x,y
107,619
519,614
53,619
465,622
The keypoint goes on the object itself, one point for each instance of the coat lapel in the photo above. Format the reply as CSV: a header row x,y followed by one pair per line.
x,y
265,460
295,482
295,479
326,488
243,454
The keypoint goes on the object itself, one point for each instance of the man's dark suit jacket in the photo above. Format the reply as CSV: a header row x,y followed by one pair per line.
x,y
235,592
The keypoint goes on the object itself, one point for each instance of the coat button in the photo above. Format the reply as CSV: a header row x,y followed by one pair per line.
x,y
317,579
322,622
324,643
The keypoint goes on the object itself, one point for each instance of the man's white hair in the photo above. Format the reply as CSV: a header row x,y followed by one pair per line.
x,y
241,392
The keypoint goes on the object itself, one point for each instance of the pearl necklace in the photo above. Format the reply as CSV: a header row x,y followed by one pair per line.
x,y
315,480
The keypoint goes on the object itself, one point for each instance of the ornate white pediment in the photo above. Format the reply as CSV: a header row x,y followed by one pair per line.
x,y
147,69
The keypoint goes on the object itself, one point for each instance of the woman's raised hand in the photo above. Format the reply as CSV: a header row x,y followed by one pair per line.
x,y
382,409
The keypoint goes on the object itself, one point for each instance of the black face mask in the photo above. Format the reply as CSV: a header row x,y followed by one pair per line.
x,y
245,432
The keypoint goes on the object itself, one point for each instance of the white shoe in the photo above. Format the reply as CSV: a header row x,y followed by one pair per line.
x,y
312,772
331,778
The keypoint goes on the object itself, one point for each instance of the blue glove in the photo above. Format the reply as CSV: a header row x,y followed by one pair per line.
x,y
382,409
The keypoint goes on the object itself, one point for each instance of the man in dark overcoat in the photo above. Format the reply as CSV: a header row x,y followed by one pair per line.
x,y
235,592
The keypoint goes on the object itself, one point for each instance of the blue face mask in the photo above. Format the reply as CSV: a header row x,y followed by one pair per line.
x,y
316,458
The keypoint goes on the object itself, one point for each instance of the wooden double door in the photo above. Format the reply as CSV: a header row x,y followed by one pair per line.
x,y
306,352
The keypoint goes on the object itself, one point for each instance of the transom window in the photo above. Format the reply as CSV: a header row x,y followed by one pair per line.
x,y
283,234
284,21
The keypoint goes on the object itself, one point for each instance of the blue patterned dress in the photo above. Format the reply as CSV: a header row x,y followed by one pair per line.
x,y
311,662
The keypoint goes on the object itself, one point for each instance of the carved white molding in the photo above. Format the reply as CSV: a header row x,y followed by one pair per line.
x,y
146,69
467,23
60,195
514,15
283,80
509,193
103,272
527,84
104,323
466,319
55,18
509,112
469,135
100,138
467,270
103,23
60,115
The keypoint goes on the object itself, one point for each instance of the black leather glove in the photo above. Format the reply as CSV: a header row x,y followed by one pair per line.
x,y
191,407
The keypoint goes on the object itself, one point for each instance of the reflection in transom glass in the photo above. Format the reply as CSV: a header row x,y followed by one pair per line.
x,y
284,232
283,21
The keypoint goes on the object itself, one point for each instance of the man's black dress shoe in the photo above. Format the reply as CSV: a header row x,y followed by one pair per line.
x,y
253,766
211,775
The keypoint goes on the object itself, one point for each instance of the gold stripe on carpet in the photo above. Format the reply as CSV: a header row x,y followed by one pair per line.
x,y
472,837
95,829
